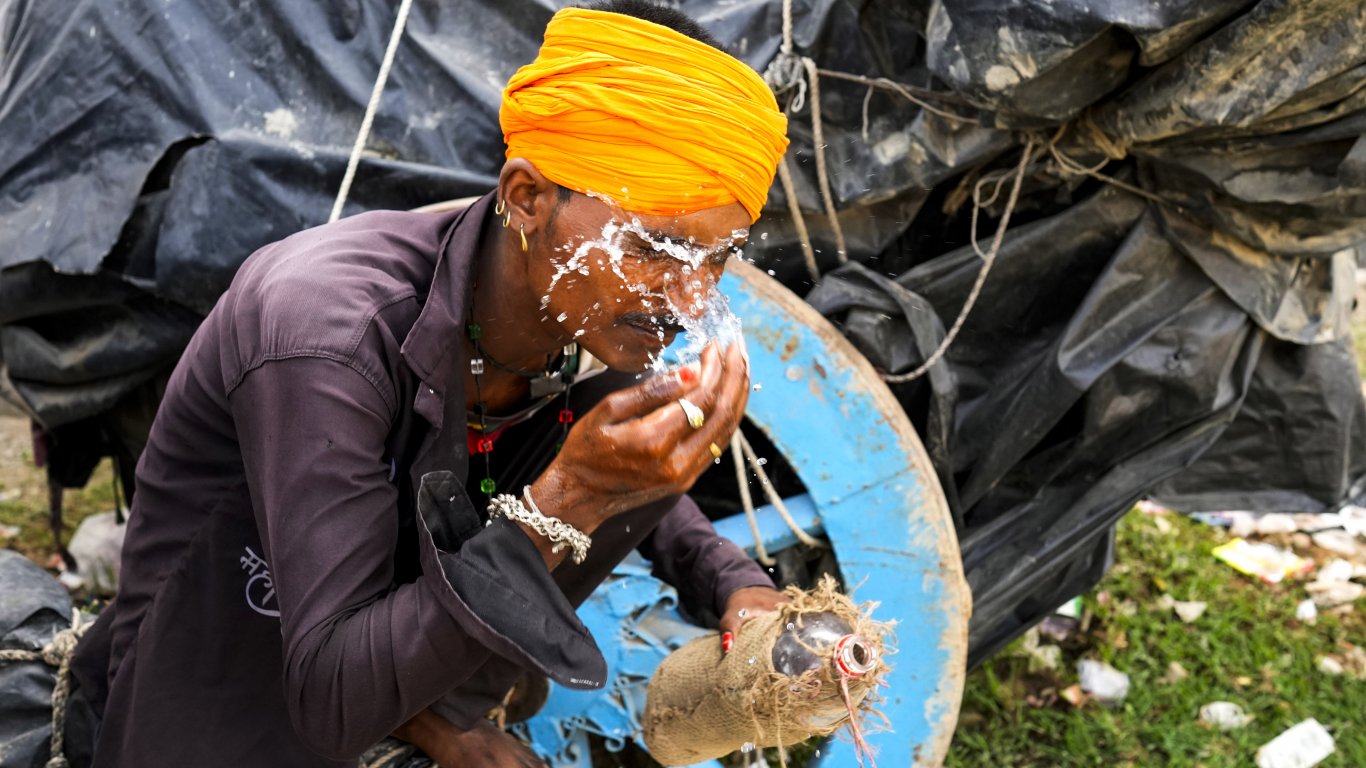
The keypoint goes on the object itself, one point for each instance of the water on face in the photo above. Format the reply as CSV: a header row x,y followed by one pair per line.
x,y
704,313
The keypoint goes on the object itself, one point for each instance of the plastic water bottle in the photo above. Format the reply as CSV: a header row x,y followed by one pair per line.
x,y
818,639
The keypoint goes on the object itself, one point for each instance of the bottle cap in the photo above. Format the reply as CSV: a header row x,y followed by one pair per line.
x,y
854,656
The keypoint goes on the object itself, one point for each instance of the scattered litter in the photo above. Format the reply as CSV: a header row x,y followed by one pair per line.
x,y
71,580
1329,666
1336,569
1307,612
10,494
1175,674
1267,562
1338,541
1126,608
1103,682
1303,745
1244,523
1331,594
1149,507
8,532
97,545
1352,662
1040,656
1224,715
1070,609
1058,628
1072,695
1353,519
1163,525
1187,611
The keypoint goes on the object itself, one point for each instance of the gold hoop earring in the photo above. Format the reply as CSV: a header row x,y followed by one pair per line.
x,y
500,207
522,229
507,219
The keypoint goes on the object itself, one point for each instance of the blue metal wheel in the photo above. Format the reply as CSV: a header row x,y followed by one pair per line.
x,y
870,491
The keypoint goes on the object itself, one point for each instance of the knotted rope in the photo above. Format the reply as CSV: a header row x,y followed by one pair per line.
x,y
57,653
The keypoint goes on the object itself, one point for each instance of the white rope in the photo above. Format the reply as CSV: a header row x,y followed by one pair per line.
x,y
798,219
791,74
746,501
370,109
57,653
771,494
822,170
988,259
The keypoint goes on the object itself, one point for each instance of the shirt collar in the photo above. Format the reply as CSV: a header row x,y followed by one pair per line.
x,y
432,347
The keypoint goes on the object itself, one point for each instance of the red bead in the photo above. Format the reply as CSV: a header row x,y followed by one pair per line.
x,y
566,416
485,445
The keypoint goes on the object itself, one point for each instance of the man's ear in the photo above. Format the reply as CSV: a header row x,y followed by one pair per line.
x,y
531,198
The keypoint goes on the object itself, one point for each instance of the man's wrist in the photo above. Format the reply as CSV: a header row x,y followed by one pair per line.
x,y
556,496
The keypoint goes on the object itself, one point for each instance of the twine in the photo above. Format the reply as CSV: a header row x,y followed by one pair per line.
x,y
370,109
57,653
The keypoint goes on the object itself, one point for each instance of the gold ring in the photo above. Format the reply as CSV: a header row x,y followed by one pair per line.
x,y
715,450
694,414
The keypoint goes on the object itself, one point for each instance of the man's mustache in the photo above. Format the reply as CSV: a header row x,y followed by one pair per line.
x,y
667,322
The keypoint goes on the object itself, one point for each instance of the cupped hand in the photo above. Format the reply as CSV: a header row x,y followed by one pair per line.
x,y
636,446
743,605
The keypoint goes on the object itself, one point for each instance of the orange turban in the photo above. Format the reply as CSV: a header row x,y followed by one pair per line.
x,y
656,121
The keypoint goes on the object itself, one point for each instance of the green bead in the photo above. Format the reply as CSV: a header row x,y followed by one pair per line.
x,y
473,330
487,485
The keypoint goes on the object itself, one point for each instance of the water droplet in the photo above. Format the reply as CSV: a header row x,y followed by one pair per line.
x,y
758,387
752,659
791,626
762,461
747,747
771,272
764,236
562,317
628,529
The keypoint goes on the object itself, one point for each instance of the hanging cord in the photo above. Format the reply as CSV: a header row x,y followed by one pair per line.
x,y
917,96
798,220
792,75
771,494
742,481
742,452
370,109
822,171
988,258
57,653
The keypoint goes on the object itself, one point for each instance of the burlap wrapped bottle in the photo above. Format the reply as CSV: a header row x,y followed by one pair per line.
x,y
703,704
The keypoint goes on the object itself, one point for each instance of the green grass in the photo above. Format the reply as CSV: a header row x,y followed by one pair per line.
x,y
29,510
1247,648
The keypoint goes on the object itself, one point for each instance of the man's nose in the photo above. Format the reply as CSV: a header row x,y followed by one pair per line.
x,y
691,294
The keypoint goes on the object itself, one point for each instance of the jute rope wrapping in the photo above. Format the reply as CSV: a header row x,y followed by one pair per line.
x,y
702,704
57,653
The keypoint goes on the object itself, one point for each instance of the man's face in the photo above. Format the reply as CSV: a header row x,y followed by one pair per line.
x,y
619,282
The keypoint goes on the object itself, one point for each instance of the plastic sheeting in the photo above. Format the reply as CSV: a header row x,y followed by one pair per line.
x,y
1195,345
35,608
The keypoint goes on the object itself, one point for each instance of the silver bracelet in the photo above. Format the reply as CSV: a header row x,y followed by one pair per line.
x,y
557,531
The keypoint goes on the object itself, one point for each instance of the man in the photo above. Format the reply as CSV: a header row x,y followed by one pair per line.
x,y
366,496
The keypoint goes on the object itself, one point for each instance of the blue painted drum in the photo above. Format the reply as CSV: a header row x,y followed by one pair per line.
x,y
870,487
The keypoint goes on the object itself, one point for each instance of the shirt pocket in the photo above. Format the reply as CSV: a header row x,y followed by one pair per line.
x,y
446,510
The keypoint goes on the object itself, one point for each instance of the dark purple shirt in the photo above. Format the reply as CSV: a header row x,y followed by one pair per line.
x,y
304,570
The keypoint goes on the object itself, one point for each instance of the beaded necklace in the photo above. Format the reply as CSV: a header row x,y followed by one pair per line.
x,y
548,381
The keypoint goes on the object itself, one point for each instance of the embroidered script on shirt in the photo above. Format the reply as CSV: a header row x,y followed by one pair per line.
x,y
260,588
